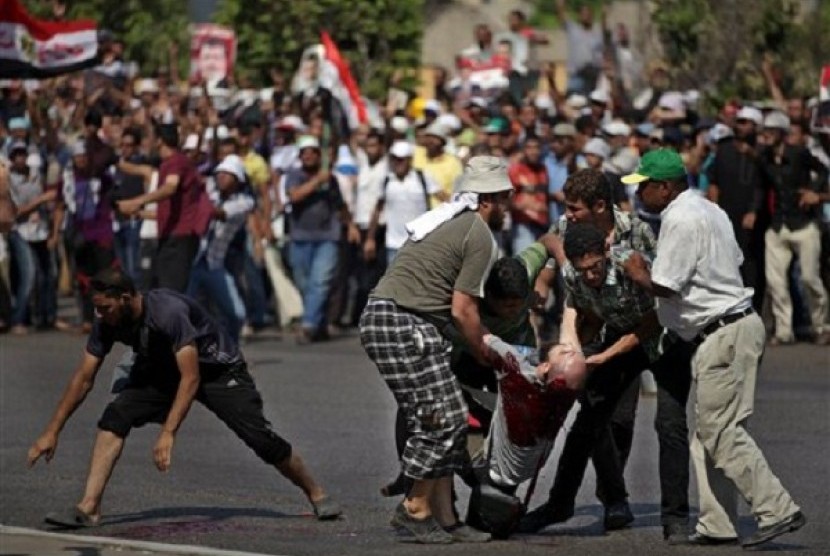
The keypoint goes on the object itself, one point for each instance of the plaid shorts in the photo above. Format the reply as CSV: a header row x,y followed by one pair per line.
x,y
414,360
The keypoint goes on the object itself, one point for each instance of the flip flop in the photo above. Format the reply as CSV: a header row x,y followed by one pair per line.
x,y
71,518
326,509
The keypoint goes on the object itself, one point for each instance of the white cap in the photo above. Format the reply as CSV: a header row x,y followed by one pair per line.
x,y
752,114
400,124
146,86
544,103
233,165
267,94
598,147
777,120
437,130
718,133
191,142
401,149
450,122
433,106
576,102
308,142
485,174
481,102
600,96
292,122
673,101
617,128
222,132
34,160
78,147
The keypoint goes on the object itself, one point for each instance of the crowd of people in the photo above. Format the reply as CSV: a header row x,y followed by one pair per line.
x,y
276,212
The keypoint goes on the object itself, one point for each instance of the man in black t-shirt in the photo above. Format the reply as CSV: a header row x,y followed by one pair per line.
x,y
182,354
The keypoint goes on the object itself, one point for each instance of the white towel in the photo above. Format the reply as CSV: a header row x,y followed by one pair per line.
x,y
422,226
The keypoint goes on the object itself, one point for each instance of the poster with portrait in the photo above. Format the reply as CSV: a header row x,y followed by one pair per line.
x,y
212,53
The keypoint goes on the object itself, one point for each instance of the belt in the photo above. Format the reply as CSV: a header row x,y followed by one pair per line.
x,y
716,325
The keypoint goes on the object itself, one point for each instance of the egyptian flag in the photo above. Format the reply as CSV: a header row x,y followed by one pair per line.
x,y
31,48
343,85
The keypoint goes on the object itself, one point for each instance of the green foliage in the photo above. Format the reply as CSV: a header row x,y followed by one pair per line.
x,y
147,27
376,36
718,46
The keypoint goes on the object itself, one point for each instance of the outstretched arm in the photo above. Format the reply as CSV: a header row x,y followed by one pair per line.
x,y
187,359
79,386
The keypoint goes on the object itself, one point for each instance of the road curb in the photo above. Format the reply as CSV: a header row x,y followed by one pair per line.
x,y
113,542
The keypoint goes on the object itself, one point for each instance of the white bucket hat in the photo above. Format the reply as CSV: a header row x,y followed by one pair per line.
x,y
485,174
232,164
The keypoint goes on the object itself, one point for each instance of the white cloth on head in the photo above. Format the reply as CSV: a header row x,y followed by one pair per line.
x,y
422,226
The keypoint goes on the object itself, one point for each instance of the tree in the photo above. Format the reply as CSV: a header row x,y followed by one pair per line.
x,y
147,27
377,36
718,46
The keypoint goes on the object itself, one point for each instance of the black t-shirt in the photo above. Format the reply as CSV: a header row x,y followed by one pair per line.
x,y
738,178
170,321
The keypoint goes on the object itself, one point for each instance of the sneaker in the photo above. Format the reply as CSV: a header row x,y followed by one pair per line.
x,y
617,516
465,534
543,516
423,531
769,532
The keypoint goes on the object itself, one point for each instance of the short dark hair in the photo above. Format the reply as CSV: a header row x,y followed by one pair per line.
x,y
588,186
519,14
585,123
582,239
112,282
226,141
93,118
135,134
374,134
168,134
507,280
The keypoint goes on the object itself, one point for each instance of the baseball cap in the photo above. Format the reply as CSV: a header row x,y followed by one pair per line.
x,y
752,114
495,125
659,164
777,120
401,149
597,147
308,142
232,164
294,123
485,174
481,102
564,130
400,124
616,129
718,133
432,105
436,130
599,96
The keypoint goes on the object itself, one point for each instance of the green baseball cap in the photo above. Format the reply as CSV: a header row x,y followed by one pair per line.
x,y
660,164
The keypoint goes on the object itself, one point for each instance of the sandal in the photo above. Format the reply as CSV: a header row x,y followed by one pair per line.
x,y
71,518
326,509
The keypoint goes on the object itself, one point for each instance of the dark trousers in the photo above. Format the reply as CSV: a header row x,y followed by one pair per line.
x,y
603,431
174,259
229,393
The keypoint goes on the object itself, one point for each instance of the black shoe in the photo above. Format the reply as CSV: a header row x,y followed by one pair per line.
x,y
617,516
676,533
541,517
699,539
412,529
769,532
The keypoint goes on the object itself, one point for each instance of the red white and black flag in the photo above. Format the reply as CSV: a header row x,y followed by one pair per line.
x,y
32,48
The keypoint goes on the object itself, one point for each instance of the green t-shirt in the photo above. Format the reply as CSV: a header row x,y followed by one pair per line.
x,y
458,255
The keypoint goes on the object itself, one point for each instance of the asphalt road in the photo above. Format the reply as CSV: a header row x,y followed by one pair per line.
x,y
328,400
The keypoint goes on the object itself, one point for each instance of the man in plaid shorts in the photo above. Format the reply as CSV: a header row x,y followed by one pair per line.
x,y
437,279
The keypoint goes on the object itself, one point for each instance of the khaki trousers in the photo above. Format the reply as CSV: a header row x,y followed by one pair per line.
x,y
288,298
780,246
726,459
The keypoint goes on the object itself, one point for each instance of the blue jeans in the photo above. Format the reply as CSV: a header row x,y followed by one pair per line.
x,y
313,264
24,262
219,289
127,246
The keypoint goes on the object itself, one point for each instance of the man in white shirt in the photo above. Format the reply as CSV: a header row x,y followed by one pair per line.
x,y
696,276
404,195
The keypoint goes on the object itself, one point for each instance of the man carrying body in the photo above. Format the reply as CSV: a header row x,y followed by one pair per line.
x,y
697,278
182,355
604,427
437,278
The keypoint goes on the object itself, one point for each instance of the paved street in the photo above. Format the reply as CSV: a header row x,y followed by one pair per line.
x,y
329,401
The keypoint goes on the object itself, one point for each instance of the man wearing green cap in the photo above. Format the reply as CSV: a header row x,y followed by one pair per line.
x,y
702,298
